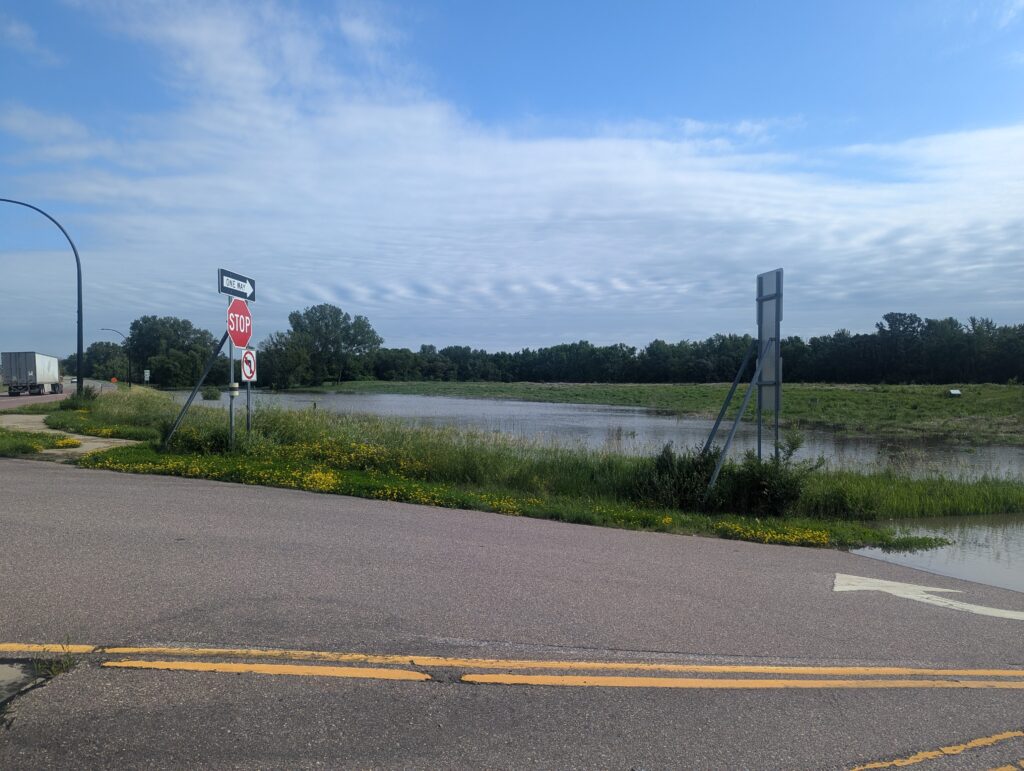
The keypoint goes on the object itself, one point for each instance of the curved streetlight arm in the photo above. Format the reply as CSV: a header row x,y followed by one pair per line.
x,y
78,264
127,350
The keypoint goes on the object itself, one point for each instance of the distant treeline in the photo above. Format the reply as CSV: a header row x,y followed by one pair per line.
x,y
325,344
904,348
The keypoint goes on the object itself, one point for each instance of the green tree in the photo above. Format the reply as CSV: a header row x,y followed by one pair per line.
x,y
173,349
944,343
284,361
899,335
104,360
334,341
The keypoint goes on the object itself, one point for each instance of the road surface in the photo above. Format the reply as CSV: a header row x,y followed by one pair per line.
x,y
340,632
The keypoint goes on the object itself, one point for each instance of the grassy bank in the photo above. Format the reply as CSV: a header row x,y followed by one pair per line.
x,y
984,414
385,459
15,443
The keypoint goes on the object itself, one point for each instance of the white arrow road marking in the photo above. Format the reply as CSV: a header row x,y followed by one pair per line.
x,y
845,583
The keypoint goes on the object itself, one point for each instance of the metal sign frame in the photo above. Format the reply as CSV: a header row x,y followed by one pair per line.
x,y
767,379
769,340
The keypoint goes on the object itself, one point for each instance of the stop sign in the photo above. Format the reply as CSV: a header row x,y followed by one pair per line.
x,y
239,323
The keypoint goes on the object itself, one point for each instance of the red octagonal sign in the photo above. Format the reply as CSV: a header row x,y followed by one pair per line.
x,y
239,323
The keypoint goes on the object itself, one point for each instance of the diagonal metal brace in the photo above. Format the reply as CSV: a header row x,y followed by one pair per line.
x,y
739,415
206,371
728,399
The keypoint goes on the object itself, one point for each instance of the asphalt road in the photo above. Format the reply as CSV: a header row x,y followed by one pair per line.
x,y
101,559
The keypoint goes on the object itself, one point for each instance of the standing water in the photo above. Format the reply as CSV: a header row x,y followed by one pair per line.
x,y
13,677
640,431
989,550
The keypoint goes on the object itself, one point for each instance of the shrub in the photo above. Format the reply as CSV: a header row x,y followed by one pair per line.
x,y
677,480
769,487
764,487
210,393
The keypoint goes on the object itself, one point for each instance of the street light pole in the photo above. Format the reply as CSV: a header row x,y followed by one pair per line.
x,y
127,351
78,264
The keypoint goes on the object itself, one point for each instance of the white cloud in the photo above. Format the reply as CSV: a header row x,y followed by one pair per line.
x,y
393,205
1010,12
27,123
22,38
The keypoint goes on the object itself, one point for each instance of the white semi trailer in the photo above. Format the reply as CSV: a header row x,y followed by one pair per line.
x,y
27,372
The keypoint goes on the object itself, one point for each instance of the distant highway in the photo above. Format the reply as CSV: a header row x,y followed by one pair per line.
x,y
8,402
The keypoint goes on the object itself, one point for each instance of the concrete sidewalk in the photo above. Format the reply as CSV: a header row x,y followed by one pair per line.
x,y
37,424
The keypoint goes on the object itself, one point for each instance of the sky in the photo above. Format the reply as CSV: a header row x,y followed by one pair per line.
x,y
511,173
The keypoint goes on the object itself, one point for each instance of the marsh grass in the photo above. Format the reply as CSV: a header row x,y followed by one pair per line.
x,y
844,495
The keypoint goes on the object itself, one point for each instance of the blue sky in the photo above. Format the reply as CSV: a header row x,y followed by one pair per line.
x,y
512,174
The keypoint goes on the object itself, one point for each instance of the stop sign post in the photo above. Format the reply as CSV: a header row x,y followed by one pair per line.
x,y
239,332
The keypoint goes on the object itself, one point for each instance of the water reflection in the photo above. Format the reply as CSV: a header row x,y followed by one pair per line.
x,y
989,550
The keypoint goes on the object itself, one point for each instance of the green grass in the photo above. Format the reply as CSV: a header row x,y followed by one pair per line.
x,y
985,414
137,413
354,471
383,458
15,443
868,497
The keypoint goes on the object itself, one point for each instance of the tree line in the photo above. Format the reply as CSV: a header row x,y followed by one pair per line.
x,y
325,344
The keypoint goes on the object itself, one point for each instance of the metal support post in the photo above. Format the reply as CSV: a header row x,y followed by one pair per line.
x,y
232,393
191,396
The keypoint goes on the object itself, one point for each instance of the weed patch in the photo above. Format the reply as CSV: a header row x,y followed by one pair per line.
x,y
14,443
51,666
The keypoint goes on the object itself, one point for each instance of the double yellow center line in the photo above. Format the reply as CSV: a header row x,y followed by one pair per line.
x,y
608,674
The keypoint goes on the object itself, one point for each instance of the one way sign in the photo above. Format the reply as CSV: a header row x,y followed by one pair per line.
x,y
236,285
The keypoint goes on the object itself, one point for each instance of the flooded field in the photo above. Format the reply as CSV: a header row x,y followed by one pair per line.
x,y
635,431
